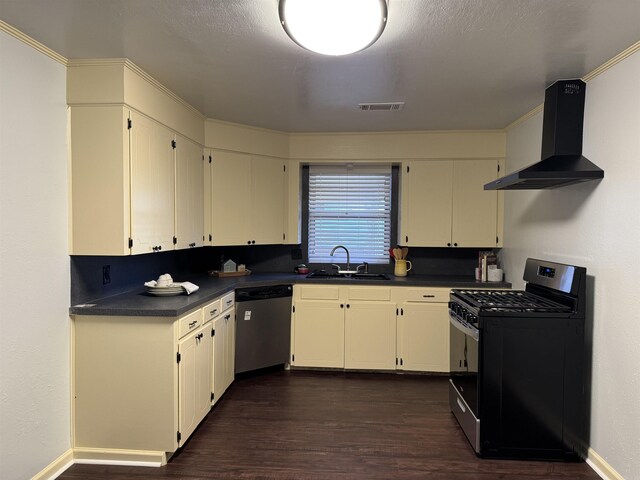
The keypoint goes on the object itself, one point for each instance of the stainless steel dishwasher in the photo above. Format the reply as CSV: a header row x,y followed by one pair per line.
x,y
263,327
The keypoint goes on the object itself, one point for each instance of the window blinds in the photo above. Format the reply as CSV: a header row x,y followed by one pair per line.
x,y
350,206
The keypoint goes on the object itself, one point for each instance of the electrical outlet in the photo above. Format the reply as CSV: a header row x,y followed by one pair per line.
x,y
106,274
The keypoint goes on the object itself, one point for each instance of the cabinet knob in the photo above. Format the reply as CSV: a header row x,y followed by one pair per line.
x,y
455,244
253,242
449,244
248,242
342,305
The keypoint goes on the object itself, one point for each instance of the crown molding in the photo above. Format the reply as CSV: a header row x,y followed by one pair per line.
x,y
26,39
588,77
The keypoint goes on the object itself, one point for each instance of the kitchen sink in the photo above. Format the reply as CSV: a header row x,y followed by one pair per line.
x,y
355,276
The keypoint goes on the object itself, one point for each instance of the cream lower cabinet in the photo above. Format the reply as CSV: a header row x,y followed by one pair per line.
x,y
370,336
444,204
224,341
223,353
423,329
343,327
318,339
370,327
194,377
142,384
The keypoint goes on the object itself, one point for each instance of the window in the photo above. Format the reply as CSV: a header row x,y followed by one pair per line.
x,y
350,206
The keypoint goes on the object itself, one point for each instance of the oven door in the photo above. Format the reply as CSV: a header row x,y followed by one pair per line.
x,y
463,390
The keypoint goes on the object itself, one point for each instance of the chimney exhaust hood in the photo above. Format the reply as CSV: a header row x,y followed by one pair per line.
x,y
562,161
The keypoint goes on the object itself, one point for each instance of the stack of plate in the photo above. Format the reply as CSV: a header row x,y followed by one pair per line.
x,y
171,290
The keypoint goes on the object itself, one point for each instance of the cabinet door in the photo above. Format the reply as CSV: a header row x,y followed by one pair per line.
x,y
194,377
426,205
207,176
219,348
370,336
230,346
268,200
319,334
152,186
231,198
188,404
99,179
423,337
204,386
189,194
475,211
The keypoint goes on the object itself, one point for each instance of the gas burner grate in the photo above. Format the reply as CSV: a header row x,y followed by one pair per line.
x,y
510,301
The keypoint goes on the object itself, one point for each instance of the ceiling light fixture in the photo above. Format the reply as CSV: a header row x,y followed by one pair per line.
x,y
333,27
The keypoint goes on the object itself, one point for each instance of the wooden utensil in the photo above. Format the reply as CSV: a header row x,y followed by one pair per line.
x,y
405,252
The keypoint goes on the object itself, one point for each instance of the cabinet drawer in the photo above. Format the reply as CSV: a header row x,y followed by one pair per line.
x,y
438,295
228,301
190,322
370,293
211,310
328,292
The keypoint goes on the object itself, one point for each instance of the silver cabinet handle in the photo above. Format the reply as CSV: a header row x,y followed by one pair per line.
x,y
193,324
214,311
229,302
428,296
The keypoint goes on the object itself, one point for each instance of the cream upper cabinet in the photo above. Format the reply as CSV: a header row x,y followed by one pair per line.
x,y
123,126
135,184
206,177
426,206
475,210
230,198
267,200
444,204
189,194
152,185
100,187
247,199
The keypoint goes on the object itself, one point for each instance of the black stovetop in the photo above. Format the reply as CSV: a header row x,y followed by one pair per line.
x,y
507,301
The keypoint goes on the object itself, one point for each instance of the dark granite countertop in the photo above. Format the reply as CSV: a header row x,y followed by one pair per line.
x,y
139,303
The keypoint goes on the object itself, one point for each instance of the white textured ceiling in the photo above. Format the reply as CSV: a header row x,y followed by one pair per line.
x,y
458,64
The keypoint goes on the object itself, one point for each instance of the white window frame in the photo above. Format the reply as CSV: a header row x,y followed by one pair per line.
x,y
343,210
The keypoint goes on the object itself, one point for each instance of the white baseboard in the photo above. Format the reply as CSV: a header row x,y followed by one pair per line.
x,y
55,468
601,467
104,456
136,458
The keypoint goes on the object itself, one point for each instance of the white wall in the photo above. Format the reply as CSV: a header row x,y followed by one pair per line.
x,y
34,266
596,225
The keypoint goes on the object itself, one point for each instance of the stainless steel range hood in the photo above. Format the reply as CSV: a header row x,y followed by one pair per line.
x,y
562,161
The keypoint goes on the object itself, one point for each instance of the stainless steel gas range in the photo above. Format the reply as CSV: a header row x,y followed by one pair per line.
x,y
519,384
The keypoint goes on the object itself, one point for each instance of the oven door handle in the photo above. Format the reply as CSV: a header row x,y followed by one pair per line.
x,y
464,328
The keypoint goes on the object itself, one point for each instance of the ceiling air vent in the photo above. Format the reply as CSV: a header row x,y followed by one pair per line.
x,y
382,107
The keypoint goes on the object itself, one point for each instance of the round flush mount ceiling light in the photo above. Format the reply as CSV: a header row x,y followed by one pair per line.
x,y
333,27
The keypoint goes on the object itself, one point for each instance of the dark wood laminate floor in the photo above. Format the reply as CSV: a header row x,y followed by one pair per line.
x,y
326,425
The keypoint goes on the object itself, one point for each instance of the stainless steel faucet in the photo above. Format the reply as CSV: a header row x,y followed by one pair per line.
x,y
347,252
